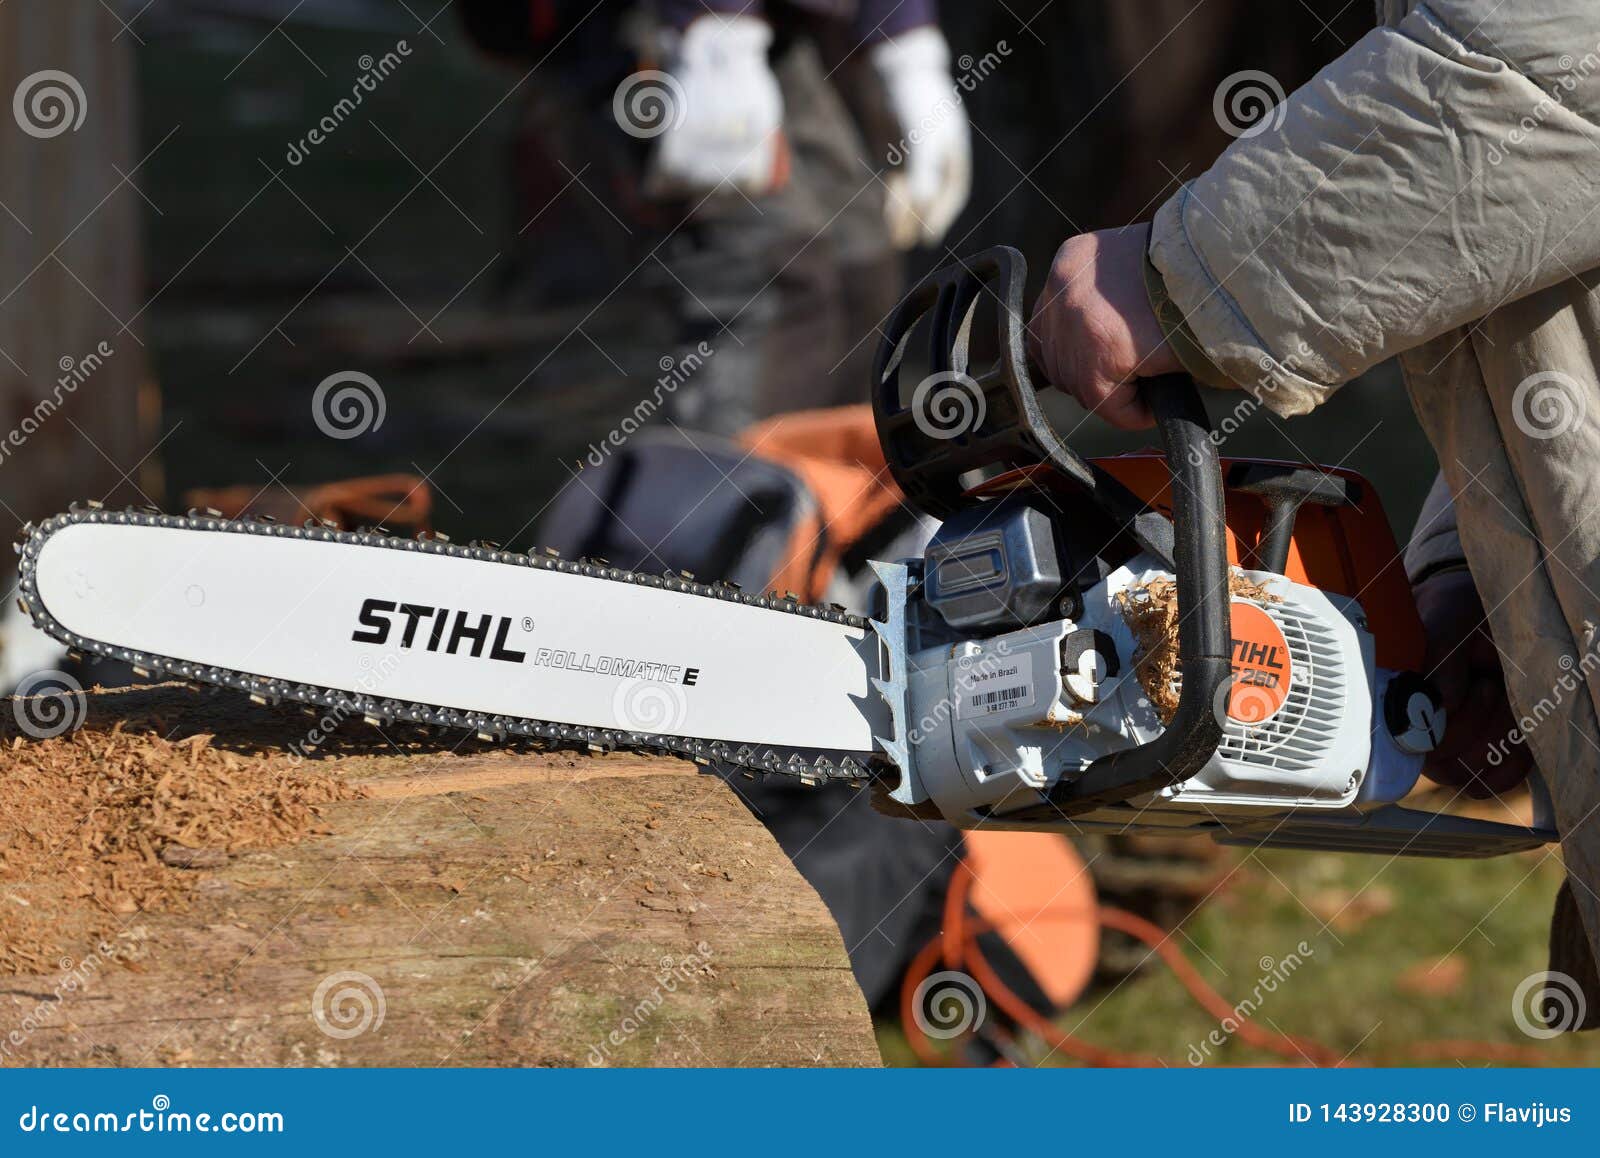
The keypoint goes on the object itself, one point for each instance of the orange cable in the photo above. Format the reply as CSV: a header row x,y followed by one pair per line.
x,y
956,947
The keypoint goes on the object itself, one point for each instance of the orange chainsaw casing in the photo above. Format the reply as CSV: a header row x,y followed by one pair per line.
x,y
1346,550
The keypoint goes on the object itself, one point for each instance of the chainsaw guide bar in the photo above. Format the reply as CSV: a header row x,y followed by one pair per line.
x,y
809,765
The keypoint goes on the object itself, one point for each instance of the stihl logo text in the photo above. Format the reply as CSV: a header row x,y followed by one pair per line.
x,y
1262,666
442,629
1260,663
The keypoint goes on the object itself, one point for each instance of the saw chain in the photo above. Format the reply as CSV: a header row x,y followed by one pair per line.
x,y
808,766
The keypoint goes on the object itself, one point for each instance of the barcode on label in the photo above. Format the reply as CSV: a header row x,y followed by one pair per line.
x,y
999,699
993,682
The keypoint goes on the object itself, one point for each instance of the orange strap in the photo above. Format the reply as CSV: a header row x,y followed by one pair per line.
x,y
401,501
835,452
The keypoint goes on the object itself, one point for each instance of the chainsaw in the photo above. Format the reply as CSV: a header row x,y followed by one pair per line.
x,y
1148,644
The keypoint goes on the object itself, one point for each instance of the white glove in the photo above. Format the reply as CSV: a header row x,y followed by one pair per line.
x,y
930,188
726,124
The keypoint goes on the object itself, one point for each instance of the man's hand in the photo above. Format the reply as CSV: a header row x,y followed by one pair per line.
x,y
1093,332
1477,754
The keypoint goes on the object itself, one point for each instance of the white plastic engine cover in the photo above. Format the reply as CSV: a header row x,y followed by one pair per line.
x,y
1298,718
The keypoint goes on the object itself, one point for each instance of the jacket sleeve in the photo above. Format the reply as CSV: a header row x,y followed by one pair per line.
x,y
679,13
1447,163
874,20
881,19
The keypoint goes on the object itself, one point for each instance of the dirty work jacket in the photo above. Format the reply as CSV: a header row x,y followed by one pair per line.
x,y
1435,194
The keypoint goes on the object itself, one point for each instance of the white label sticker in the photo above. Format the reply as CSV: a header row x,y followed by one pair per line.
x,y
990,683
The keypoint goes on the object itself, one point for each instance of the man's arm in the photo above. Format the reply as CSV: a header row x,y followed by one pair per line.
x,y
883,19
875,20
1438,169
682,13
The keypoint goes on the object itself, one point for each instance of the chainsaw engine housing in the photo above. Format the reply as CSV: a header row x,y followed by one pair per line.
x,y
995,720
1318,743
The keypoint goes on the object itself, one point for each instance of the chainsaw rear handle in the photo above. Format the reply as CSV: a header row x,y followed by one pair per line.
x,y
998,423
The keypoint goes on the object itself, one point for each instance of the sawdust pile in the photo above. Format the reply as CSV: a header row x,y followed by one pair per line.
x,y
1151,612
100,824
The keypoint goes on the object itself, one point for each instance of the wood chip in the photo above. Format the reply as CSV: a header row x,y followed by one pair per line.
x,y
179,857
113,819
1151,612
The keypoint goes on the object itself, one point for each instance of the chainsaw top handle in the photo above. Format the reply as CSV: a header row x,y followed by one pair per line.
x,y
955,423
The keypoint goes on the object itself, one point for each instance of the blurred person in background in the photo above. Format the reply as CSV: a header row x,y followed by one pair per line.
x,y
1428,195
765,205
779,156
769,164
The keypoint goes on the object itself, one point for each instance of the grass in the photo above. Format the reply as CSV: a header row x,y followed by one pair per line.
x,y
1402,953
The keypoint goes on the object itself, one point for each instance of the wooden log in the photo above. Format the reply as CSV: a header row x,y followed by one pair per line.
x,y
477,906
